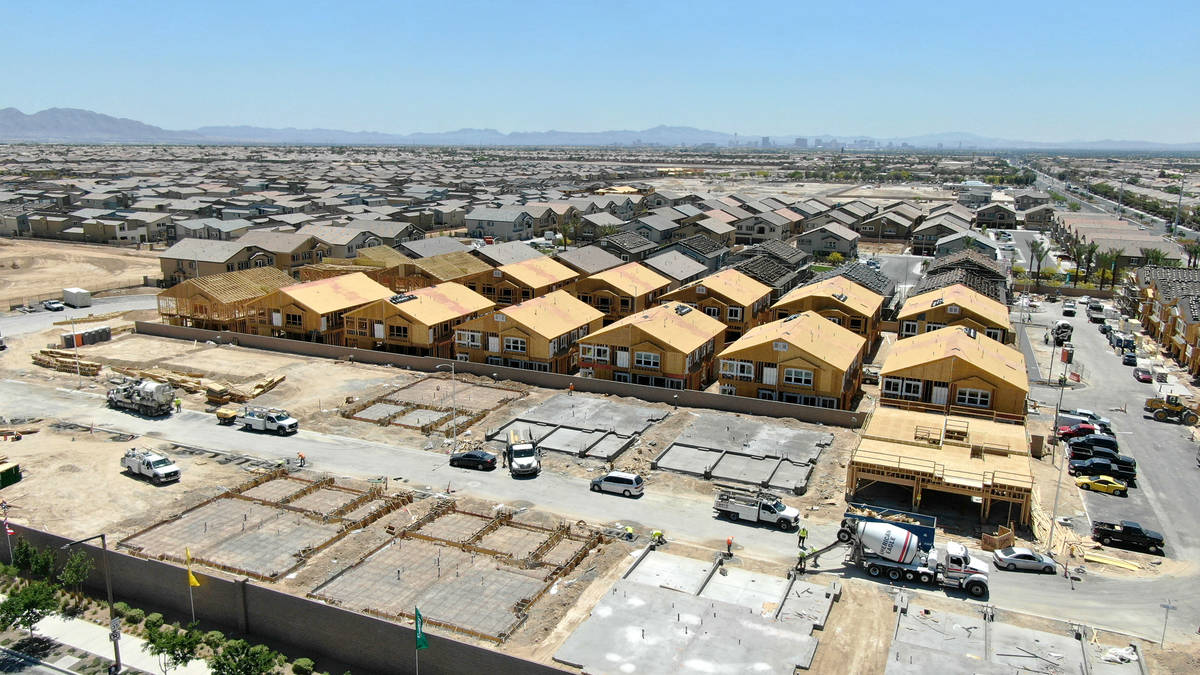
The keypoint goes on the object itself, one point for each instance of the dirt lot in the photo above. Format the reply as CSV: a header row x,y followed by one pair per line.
x,y
32,267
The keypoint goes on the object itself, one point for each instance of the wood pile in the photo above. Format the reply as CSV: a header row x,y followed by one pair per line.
x,y
65,362
217,393
893,517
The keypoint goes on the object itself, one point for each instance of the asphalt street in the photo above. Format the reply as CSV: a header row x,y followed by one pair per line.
x,y
682,517
19,323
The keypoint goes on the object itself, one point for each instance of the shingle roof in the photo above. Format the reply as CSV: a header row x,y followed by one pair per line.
x,y
675,265
588,260
507,253
995,289
630,241
275,242
703,245
810,333
968,258
767,270
862,274
203,250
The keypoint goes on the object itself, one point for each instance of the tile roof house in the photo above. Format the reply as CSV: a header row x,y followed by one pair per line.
x,y
536,334
670,345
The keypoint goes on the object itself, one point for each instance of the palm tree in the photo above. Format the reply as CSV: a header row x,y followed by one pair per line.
x,y
1090,254
1118,254
1078,252
1038,251
1153,257
1104,262
1192,248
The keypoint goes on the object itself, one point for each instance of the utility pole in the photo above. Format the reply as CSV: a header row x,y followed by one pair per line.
x,y
1062,462
1178,203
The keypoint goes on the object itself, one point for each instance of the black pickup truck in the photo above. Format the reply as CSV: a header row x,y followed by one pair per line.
x,y
1128,533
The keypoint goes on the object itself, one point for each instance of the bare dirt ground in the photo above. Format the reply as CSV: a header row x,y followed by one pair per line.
x,y
35,267
721,186
863,614
67,471
874,248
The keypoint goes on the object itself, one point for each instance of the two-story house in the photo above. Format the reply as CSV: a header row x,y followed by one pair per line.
x,y
729,296
840,301
671,345
621,291
827,239
313,311
537,334
527,279
420,322
955,305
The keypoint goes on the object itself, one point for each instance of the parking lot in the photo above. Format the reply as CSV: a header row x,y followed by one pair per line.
x,y
1168,476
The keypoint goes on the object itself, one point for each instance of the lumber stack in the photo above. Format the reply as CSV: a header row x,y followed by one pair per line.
x,y
65,362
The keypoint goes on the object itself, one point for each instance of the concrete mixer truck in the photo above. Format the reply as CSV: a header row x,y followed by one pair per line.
x,y
147,397
884,549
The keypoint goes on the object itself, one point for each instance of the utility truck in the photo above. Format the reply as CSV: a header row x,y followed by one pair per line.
x,y
267,419
887,549
147,397
523,456
158,469
755,507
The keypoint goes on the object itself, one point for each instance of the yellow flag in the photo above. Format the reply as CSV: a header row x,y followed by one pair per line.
x,y
192,581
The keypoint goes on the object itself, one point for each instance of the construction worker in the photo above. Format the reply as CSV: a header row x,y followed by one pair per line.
x,y
629,532
729,547
571,389
301,458
803,535
178,405
657,537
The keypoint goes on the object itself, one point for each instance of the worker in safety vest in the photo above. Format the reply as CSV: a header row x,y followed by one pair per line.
x,y
803,535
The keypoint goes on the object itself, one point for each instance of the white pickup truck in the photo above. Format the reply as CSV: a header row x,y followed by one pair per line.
x,y
755,507
267,419
157,468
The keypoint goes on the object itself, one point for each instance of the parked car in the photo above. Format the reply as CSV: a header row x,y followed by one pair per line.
x,y
1102,466
474,459
1142,375
1093,441
1105,328
1105,484
53,305
1023,559
1129,359
1068,308
619,482
870,375
1077,430
1087,414
1127,533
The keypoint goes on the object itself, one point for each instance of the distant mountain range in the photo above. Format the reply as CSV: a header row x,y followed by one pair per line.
x,y
72,125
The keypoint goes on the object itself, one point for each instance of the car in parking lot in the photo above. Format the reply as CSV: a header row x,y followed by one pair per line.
x,y
1077,430
474,459
1068,308
1017,558
1105,484
1129,359
1086,414
619,482
1092,441
53,305
1142,375
1102,466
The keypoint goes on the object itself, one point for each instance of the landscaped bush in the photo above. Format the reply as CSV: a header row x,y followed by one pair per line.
x,y
302,666
154,621
214,639
135,616
120,608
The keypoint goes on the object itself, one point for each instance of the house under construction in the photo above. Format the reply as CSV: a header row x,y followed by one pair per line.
x,y
219,301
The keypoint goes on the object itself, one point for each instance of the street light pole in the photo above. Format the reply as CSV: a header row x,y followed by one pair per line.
x,y
1062,462
114,624
453,404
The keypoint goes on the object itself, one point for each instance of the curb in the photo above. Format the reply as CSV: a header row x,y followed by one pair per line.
x,y
33,660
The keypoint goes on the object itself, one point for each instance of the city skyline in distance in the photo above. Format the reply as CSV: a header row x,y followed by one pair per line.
x,y
1069,71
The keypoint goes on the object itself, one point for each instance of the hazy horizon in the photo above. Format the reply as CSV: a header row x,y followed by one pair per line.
x,y
1073,71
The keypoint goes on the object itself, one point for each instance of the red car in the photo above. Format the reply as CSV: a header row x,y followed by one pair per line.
x,y
1082,429
1142,375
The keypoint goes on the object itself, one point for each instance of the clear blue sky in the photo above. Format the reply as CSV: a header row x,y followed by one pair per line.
x,y
1048,70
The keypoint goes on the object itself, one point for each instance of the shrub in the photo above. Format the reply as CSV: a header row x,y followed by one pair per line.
x,y
154,621
121,608
214,639
134,616
302,666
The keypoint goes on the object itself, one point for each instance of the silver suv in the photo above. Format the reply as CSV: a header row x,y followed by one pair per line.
x,y
628,484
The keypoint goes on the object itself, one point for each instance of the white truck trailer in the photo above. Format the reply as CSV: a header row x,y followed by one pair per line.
x,y
754,507
158,469
77,297
883,549
147,397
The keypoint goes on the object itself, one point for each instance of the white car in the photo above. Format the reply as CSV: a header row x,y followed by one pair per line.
x,y
1023,559
619,482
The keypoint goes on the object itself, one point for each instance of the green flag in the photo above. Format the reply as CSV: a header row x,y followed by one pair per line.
x,y
422,642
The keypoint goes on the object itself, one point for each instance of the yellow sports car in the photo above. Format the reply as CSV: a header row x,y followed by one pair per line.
x,y
1107,484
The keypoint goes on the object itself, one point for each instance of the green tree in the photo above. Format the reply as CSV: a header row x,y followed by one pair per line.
x,y
23,553
29,605
1104,261
1074,205
836,258
1192,249
237,657
1038,252
76,570
1154,257
174,647
1089,255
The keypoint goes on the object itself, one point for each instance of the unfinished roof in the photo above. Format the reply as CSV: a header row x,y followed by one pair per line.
x,y
237,286
958,294
994,358
433,305
632,279
675,265
539,272
810,333
839,289
381,256
552,314
672,324
589,259
508,252
337,293
993,288
732,284
968,258
862,274
451,266
433,246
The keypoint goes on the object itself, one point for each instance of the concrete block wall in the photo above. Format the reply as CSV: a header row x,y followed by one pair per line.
x,y
306,627
689,398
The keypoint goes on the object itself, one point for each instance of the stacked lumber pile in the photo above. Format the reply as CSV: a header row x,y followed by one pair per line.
x,y
217,393
189,382
894,517
65,362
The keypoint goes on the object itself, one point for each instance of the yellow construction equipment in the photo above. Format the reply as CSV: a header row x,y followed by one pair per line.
x,y
1172,408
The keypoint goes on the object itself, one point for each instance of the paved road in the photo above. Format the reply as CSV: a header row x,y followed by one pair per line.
x,y
682,517
19,323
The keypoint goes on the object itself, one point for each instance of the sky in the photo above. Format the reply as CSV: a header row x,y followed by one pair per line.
x,y
1054,70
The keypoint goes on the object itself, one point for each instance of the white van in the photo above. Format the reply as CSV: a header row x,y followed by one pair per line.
x,y
628,484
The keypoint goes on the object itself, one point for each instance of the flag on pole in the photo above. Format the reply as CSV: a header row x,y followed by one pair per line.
x,y
422,642
7,529
192,581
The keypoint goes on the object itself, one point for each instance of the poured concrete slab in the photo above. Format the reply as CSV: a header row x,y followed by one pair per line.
x,y
907,659
933,630
1011,645
636,628
791,477
718,431
807,604
420,417
687,459
757,592
744,468
378,411
586,412
671,571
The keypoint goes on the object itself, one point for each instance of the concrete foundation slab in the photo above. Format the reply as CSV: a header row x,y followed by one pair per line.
x,y
807,604
586,412
636,628
324,501
744,468
455,526
420,417
274,490
736,586
718,431
1010,645
562,552
791,477
440,393
378,411
514,541
687,459
671,571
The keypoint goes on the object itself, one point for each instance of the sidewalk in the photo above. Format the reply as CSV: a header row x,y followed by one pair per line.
x,y
93,638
